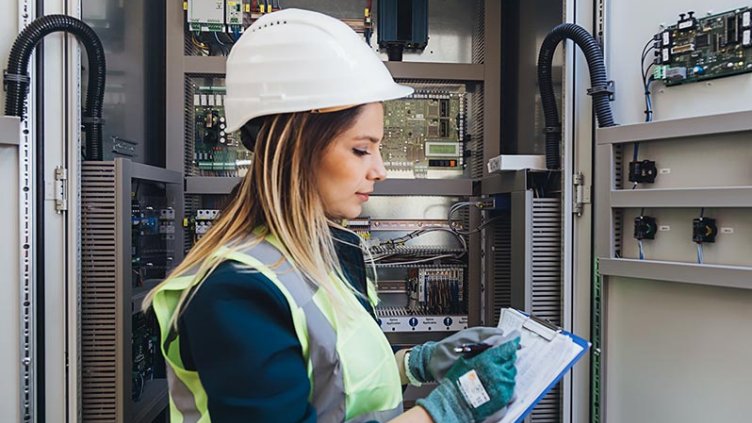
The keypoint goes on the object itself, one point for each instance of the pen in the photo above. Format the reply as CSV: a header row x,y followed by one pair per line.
x,y
471,350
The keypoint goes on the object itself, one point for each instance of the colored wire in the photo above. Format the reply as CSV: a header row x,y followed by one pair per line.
x,y
439,257
642,251
647,81
700,258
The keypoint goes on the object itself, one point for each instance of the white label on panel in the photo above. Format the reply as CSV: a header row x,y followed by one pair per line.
x,y
664,171
746,37
665,55
203,99
196,100
727,230
686,24
746,19
664,228
211,100
666,38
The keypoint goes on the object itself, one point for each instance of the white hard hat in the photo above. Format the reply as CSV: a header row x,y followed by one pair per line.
x,y
297,60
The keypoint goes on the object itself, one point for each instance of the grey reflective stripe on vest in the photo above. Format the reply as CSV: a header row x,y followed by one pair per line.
x,y
328,385
182,397
378,416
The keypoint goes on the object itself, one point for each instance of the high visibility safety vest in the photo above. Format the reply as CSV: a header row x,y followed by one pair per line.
x,y
351,367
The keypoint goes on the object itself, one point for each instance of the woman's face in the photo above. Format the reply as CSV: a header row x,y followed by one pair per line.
x,y
352,164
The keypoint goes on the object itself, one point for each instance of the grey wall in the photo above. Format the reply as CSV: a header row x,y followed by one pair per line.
x,y
677,352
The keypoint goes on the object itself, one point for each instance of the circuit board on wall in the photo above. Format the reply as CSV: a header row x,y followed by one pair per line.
x,y
425,131
216,153
711,47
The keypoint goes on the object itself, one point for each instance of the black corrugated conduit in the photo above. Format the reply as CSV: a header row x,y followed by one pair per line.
x,y
601,91
17,80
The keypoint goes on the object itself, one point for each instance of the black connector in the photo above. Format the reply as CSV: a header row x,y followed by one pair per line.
x,y
645,227
704,230
642,172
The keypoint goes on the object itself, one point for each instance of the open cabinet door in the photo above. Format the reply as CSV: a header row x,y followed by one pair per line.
x,y
577,172
668,300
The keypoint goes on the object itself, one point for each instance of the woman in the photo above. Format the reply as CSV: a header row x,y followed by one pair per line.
x,y
270,317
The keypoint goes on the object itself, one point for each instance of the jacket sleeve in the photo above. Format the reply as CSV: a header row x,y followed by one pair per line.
x,y
237,332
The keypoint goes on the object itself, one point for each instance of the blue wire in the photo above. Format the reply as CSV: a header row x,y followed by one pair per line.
x,y
700,257
642,252
217,38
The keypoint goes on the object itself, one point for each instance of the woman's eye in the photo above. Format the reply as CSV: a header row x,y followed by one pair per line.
x,y
360,152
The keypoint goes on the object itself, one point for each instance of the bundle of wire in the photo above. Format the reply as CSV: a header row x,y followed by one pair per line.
x,y
646,82
389,249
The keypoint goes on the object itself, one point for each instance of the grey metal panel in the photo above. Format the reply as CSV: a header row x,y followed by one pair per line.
x,y
505,182
545,283
522,210
122,28
205,65
476,275
175,81
429,187
677,128
500,269
442,71
450,187
705,274
684,197
217,65
175,148
155,174
492,83
10,127
101,271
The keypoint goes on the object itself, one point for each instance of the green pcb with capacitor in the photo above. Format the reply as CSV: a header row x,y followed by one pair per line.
x,y
699,49
425,131
216,153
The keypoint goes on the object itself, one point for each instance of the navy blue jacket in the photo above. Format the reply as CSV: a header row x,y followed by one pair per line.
x,y
237,332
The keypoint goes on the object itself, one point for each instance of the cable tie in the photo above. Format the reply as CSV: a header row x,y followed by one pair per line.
x,y
13,77
608,89
92,119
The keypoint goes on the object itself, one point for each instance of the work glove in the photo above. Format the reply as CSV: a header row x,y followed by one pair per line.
x,y
476,388
430,361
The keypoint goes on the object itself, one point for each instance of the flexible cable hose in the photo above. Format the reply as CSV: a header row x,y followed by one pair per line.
x,y
17,80
598,79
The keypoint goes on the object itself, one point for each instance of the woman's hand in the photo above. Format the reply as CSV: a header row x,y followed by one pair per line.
x,y
476,388
431,361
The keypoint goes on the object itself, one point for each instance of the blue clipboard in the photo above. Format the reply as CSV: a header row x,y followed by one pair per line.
x,y
585,347
584,344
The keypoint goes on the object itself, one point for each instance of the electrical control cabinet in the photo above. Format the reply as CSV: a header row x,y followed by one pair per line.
x,y
441,261
127,225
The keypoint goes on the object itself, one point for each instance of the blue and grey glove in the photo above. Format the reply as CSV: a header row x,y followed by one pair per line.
x,y
431,361
476,388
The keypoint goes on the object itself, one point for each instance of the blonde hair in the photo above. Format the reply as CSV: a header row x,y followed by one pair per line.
x,y
280,195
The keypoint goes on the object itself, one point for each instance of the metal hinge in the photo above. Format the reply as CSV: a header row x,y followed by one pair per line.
x,y
61,189
581,193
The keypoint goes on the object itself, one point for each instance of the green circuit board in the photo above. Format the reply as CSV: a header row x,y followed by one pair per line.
x,y
425,131
216,153
699,49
